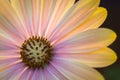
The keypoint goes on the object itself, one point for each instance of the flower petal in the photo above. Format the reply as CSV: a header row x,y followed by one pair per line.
x,y
49,73
9,20
76,71
58,10
23,8
8,43
37,11
94,21
40,16
74,17
55,74
5,62
8,73
86,41
9,54
99,58
25,75
49,76
15,75
35,75
39,74
7,31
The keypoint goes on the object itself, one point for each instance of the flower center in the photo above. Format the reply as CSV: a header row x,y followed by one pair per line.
x,y
36,52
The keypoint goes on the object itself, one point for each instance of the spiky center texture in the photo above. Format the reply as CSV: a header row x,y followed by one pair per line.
x,y
36,52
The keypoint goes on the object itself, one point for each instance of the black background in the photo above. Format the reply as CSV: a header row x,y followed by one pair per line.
x,y
113,22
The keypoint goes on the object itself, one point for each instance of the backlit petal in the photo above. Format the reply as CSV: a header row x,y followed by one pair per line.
x,y
41,12
5,62
9,20
25,75
6,74
74,17
15,75
76,71
35,75
8,43
9,53
59,9
86,41
94,21
99,58
23,8
52,70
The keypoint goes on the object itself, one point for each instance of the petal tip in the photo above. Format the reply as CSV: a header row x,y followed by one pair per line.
x,y
111,35
113,58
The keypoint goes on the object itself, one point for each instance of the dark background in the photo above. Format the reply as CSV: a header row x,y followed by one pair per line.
x,y
113,22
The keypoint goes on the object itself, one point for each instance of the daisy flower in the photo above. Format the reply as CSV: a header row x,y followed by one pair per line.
x,y
53,40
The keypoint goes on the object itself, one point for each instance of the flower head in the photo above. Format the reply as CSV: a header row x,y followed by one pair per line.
x,y
53,40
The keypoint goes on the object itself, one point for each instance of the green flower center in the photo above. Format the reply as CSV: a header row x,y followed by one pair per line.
x,y
36,52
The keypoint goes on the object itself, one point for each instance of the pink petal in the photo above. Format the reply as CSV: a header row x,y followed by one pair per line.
x,y
98,58
37,10
54,74
86,41
48,7
75,71
5,62
15,75
24,13
76,15
56,13
9,53
35,75
92,22
49,73
38,74
11,71
26,74
9,21
8,43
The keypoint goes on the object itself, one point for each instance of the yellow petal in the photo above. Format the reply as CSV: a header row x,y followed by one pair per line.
x,y
76,71
53,11
9,20
90,39
96,19
77,14
98,58
93,22
59,11
23,8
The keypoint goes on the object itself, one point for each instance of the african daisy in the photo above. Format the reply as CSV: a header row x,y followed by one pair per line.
x,y
53,40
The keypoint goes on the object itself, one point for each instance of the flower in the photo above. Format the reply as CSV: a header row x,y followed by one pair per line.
x,y
53,40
